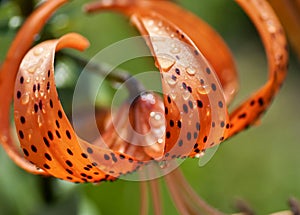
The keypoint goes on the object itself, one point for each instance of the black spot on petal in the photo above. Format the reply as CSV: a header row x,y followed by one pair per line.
x,y
199,104
89,150
208,70
19,94
22,119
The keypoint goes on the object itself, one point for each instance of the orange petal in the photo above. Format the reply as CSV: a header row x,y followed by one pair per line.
x,y
195,111
275,45
138,128
8,71
46,136
206,39
289,14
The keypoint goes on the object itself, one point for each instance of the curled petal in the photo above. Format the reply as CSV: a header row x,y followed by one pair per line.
x,y
8,71
205,38
46,136
289,14
275,45
268,26
195,110
192,93
138,128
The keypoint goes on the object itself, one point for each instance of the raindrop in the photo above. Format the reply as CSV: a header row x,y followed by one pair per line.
x,y
158,39
199,155
171,80
191,70
163,164
186,95
271,26
36,94
165,62
173,95
156,119
204,89
150,22
160,24
264,15
31,69
175,50
160,140
30,132
155,28
38,51
40,120
25,98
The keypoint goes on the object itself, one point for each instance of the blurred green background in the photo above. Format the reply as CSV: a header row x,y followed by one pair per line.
x,y
260,165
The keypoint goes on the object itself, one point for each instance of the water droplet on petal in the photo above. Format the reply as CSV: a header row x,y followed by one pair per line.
x,y
271,26
156,119
158,39
25,98
165,62
175,50
31,69
173,95
38,51
204,89
163,164
186,95
171,80
208,112
155,28
191,70
199,155
30,132
40,120
264,15
150,22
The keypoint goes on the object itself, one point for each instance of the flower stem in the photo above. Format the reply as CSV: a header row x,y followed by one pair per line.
x,y
144,198
156,196
186,199
133,86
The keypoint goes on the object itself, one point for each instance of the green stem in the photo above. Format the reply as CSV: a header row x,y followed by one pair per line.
x,y
133,86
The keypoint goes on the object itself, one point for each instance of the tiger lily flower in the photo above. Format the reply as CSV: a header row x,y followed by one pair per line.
x,y
155,20
197,87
